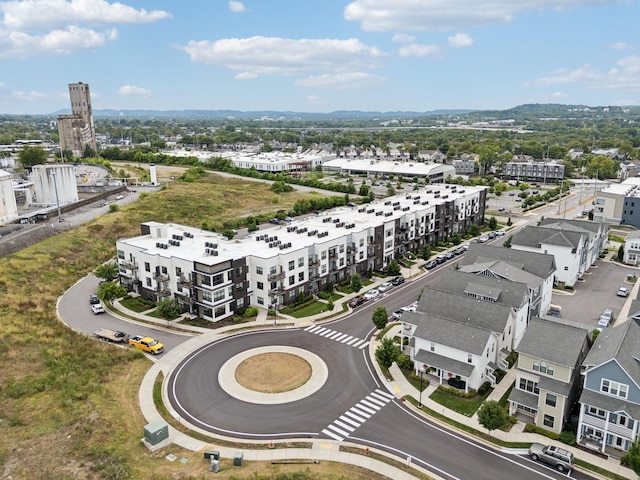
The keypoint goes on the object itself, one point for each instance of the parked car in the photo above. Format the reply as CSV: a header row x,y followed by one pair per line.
x,y
623,292
441,259
554,311
97,308
410,308
102,204
492,235
459,251
449,255
500,233
397,314
371,294
518,199
551,455
288,219
607,313
466,246
501,209
383,287
430,264
397,281
355,301
93,299
274,221
483,239
603,323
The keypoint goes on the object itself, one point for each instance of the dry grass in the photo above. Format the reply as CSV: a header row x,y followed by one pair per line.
x,y
69,404
273,372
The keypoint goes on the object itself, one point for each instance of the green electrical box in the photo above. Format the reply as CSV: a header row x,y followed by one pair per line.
x,y
237,459
209,454
156,432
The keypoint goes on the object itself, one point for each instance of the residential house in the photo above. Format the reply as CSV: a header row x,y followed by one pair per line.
x,y
548,372
490,289
610,401
597,233
459,338
570,250
536,270
632,248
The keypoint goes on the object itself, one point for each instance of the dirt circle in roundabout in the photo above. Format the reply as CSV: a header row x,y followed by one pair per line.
x,y
274,372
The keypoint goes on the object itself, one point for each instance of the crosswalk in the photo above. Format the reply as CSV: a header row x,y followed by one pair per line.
x,y
338,336
346,424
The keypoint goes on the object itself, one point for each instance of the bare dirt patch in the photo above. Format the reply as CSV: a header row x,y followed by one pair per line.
x,y
273,372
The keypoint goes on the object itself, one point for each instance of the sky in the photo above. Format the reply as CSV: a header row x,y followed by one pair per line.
x,y
318,56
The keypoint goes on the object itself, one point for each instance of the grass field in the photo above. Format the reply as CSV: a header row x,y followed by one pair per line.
x,y
69,403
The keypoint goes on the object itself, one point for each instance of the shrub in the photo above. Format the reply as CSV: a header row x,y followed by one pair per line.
x,y
542,431
404,362
484,388
324,295
250,312
512,419
568,437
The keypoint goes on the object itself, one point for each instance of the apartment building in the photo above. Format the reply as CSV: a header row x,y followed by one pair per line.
x,y
528,169
213,277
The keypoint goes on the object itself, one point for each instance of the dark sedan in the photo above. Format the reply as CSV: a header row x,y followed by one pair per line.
x,y
355,301
397,281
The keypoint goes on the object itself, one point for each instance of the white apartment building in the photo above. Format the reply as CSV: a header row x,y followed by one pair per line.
x,y
213,276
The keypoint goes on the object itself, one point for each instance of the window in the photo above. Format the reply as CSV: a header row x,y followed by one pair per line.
x,y
178,271
342,248
548,421
273,270
323,255
301,262
147,267
206,296
362,242
260,286
164,270
433,347
148,282
218,295
551,400
240,303
217,279
292,265
259,270
542,367
121,254
260,301
529,386
301,277
239,286
219,311
292,294
238,271
292,279
206,280
598,412
469,358
614,388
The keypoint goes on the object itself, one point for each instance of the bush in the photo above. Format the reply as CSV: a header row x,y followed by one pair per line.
x,y
512,419
568,437
404,362
324,295
542,431
484,388
250,312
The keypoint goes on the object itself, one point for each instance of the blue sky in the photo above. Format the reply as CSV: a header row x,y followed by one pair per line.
x,y
319,56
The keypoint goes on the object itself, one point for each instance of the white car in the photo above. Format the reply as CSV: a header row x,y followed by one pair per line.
x,y
500,232
623,292
383,287
97,308
371,294
410,308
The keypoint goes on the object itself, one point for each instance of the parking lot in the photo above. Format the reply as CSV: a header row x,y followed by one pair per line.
x,y
595,293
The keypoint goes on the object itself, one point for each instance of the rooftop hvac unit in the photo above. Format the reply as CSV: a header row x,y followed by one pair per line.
x,y
371,210
426,202
379,212
397,207
404,209
416,202
395,204
361,209
214,245
158,245
327,219
207,251
289,244
177,244
214,252
388,202
336,220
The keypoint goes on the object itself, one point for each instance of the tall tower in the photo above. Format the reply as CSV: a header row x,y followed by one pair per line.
x,y
77,130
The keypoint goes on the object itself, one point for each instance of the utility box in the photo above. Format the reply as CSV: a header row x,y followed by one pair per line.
x,y
209,454
237,459
156,432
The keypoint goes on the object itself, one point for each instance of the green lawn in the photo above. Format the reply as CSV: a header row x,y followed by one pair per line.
x,y
312,309
465,406
137,305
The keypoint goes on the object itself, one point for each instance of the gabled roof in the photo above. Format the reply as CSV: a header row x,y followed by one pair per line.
x,y
501,289
632,235
573,225
609,403
497,269
464,310
535,237
538,264
620,343
444,331
554,341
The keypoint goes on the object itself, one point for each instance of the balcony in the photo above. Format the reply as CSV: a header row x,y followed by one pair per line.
x,y
314,262
332,254
275,291
184,281
276,276
163,292
161,277
129,265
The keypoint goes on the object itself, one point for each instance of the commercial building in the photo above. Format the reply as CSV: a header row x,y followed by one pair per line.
x,y
619,203
434,172
77,131
213,277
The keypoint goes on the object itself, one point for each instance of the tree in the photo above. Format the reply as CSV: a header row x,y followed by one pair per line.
x,y
89,152
107,271
507,242
493,223
491,415
169,308
356,283
621,253
110,290
387,353
632,457
379,317
487,154
603,167
393,268
30,156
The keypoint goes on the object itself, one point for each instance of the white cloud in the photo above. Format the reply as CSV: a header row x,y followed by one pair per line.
x,y
28,15
619,45
445,15
133,91
274,55
415,50
246,76
237,7
55,42
460,40
557,95
625,77
403,38
8,94
315,100
341,80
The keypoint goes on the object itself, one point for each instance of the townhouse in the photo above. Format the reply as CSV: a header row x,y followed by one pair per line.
x,y
609,418
213,277
548,377
597,235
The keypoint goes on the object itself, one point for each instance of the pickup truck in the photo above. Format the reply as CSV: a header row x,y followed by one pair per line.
x,y
109,335
147,344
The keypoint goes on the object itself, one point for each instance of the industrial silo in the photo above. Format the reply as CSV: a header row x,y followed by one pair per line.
x,y
8,207
55,184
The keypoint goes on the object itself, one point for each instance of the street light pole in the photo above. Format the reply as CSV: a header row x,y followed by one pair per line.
x,y
55,187
420,399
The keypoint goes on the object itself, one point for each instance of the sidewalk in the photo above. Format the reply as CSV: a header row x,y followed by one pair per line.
x,y
401,387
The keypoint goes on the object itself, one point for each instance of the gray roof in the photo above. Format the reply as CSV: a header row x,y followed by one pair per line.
x,y
620,343
633,235
555,341
464,310
444,363
443,331
534,237
503,290
524,398
575,225
539,264
497,269
609,403
555,386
